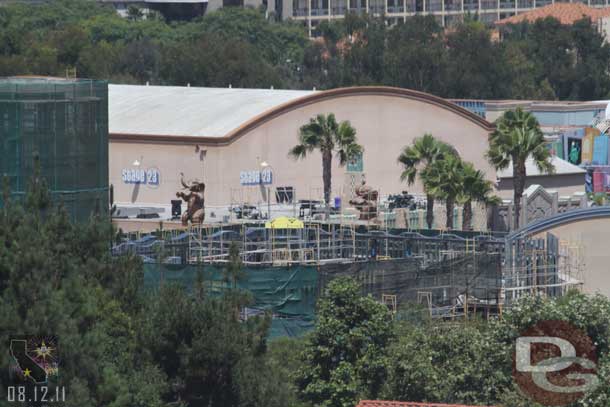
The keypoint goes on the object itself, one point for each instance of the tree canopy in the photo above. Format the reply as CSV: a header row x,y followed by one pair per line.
x,y
119,345
240,47
122,346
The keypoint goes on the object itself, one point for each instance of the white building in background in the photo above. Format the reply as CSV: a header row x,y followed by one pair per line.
x,y
197,7
312,12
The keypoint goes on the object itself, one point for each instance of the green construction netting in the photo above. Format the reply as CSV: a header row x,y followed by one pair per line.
x,y
290,293
65,124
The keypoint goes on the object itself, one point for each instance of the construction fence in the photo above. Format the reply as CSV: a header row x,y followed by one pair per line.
x,y
451,276
288,293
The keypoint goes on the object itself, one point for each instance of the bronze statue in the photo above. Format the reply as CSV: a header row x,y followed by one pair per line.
x,y
366,201
195,210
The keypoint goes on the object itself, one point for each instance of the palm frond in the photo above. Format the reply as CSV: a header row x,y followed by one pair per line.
x,y
298,151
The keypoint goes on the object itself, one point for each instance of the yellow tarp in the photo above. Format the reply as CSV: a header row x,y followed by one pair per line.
x,y
284,222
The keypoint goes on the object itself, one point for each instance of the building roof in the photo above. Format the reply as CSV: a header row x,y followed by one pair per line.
x,y
384,403
220,115
566,13
562,167
188,111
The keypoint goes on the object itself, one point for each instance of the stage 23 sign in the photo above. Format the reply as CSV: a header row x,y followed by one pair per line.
x,y
138,176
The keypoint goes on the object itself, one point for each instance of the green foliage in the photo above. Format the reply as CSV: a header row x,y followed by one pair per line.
x,y
516,139
471,363
475,188
120,346
599,199
325,134
277,42
415,159
58,278
478,66
241,47
448,363
233,271
423,152
284,360
208,356
416,56
444,179
345,357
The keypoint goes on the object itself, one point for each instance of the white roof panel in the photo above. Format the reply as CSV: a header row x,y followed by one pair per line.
x,y
562,167
189,111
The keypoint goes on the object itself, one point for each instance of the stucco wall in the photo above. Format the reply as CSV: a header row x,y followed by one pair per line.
x,y
384,124
593,236
565,185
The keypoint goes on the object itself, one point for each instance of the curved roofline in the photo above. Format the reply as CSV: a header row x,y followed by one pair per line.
x,y
320,96
560,219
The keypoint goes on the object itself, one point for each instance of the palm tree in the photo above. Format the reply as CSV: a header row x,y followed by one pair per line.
x,y
518,137
475,188
443,179
325,134
418,156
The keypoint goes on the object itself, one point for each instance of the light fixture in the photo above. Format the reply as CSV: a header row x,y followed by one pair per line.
x,y
136,163
264,164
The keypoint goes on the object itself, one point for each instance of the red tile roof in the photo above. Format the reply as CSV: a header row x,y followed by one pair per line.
x,y
566,13
384,403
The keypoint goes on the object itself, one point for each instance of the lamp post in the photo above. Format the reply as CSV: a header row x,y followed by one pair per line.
x,y
265,165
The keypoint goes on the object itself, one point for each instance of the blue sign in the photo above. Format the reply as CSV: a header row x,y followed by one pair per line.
x,y
256,177
139,176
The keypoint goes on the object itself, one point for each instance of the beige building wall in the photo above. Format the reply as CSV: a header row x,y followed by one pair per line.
x,y
593,236
384,124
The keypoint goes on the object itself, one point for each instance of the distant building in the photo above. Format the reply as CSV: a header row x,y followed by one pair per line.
x,y
566,13
552,115
568,179
447,12
237,141
311,13
181,9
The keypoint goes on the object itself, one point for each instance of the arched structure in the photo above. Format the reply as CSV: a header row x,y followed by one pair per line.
x,y
218,134
589,229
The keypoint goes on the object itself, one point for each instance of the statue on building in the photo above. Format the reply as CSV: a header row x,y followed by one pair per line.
x,y
574,155
365,201
195,210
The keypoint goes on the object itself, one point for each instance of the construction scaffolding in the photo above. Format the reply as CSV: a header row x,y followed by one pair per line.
x,y
61,125
452,276
541,265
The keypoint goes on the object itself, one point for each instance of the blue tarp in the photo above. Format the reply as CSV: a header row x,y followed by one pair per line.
x,y
600,150
290,293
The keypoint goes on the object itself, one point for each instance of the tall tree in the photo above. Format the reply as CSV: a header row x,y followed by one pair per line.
x,y
516,139
324,133
444,180
421,154
416,56
58,278
477,66
345,357
592,54
474,188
